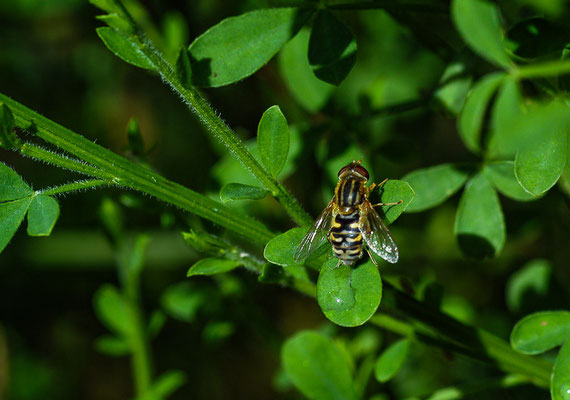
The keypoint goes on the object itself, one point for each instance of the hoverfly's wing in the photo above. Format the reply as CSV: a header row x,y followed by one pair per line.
x,y
316,235
376,234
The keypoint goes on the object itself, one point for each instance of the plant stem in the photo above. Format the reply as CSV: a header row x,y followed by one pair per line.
x,y
541,70
128,174
73,186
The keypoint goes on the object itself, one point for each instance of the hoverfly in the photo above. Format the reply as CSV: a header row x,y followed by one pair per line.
x,y
348,219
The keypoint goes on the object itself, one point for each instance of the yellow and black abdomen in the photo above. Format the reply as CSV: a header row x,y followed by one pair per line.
x,y
346,238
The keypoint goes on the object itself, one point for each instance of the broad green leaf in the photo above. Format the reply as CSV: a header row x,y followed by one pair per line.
x,y
182,301
112,346
317,367
238,46
183,68
507,110
11,215
479,24
538,168
106,5
392,192
42,215
168,383
124,48
306,88
541,331
528,283
114,311
454,86
238,191
390,361
273,140
281,249
12,187
470,121
155,324
502,176
349,295
332,48
479,223
434,185
8,138
560,380
212,266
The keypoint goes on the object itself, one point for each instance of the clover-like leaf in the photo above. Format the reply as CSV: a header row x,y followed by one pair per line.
x,y
317,367
479,223
212,266
541,331
479,24
390,361
470,121
311,92
349,295
182,301
332,48
528,284
238,46
502,175
12,187
434,185
238,191
124,48
42,215
273,140
281,249
11,215
507,111
391,192
560,379
455,83
114,311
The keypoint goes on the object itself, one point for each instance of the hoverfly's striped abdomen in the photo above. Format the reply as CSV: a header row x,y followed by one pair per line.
x,y
346,238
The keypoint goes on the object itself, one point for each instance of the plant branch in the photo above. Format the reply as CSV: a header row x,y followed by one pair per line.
x,y
74,186
541,70
128,174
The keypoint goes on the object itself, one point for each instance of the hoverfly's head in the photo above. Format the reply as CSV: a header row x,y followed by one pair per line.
x,y
355,170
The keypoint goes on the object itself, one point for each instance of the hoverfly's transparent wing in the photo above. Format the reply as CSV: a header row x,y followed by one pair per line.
x,y
316,235
376,234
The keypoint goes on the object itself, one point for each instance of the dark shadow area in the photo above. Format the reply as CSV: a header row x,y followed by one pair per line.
x,y
475,247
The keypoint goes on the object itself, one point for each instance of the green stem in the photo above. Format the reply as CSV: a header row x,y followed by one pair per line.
x,y
73,186
541,70
128,174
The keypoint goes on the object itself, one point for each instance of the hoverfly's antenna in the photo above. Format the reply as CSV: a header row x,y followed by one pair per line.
x,y
357,162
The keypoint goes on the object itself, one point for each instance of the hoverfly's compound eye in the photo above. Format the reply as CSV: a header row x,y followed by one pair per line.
x,y
362,171
344,169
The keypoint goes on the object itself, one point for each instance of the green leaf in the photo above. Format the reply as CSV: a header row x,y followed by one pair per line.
x,y
135,138
183,68
212,266
479,24
238,191
528,284
332,48
42,215
113,311
238,46
309,91
12,187
538,168
317,367
434,185
124,48
507,111
156,322
281,249
502,175
8,138
479,224
11,215
168,383
182,301
273,140
560,380
112,346
454,85
541,331
391,360
470,121
349,295
391,192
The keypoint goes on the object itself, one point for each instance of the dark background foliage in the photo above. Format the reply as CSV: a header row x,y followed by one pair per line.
x,y
52,61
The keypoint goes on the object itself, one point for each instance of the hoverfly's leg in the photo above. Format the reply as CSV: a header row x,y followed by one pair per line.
x,y
388,204
374,185
338,264
371,257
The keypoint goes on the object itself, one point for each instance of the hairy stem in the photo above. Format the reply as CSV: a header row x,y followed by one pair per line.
x,y
74,186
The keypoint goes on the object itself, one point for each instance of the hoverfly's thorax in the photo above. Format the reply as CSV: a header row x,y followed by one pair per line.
x,y
349,193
